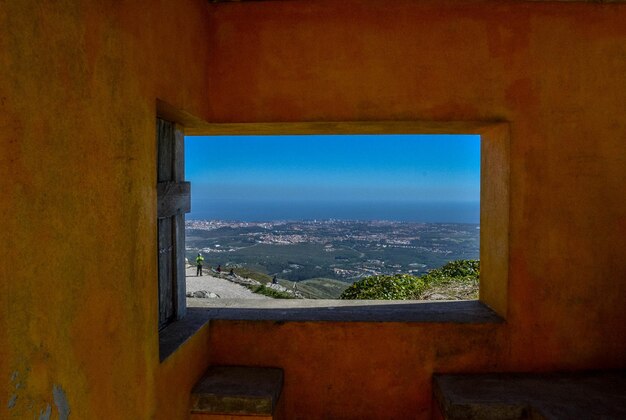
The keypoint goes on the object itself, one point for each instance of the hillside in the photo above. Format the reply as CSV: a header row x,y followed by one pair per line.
x,y
318,288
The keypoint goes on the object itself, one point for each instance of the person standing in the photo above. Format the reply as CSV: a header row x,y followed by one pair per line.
x,y
199,264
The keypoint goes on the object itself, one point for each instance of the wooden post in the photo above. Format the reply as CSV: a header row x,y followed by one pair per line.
x,y
173,201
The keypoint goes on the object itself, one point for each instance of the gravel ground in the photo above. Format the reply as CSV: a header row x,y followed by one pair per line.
x,y
224,288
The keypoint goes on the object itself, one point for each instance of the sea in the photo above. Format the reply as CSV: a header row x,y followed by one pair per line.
x,y
270,210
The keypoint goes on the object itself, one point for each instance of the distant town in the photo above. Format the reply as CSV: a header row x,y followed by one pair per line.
x,y
331,249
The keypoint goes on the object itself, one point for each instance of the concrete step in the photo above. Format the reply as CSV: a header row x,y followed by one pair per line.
x,y
238,392
502,396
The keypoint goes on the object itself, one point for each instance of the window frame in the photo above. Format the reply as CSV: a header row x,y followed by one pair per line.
x,y
494,180
494,212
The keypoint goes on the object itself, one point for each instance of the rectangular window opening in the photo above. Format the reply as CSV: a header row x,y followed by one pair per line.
x,y
310,217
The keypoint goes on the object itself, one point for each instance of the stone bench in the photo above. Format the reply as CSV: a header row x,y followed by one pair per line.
x,y
585,395
238,392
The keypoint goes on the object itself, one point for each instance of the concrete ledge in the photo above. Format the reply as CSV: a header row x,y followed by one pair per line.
x,y
587,395
201,311
304,310
238,390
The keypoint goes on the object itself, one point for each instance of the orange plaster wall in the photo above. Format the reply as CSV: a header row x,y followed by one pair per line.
x,y
358,370
555,71
179,373
78,95
79,82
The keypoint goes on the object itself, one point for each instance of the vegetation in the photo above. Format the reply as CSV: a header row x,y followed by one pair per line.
x,y
455,278
267,291
250,274
454,271
398,286
318,288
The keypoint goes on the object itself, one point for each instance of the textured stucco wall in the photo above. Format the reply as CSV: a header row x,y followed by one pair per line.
x,y
78,88
77,177
555,71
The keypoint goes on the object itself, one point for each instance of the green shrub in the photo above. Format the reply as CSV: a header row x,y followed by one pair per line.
x,y
267,291
404,286
399,286
457,271
461,268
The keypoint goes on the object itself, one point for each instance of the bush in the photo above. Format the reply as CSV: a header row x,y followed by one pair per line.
x,y
405,287
461,268
276,294
457,271
399,286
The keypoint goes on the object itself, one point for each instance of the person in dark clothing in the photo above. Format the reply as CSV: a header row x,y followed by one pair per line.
x,y
274,281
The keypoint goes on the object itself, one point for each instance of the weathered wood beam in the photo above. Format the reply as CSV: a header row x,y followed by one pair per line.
x,y
180,287
165,257
173,198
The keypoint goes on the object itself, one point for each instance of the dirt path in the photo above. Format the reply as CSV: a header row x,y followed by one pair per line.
x,y
223,288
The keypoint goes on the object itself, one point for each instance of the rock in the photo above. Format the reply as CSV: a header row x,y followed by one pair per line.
x,y
203,294
277,287
242,280
437,296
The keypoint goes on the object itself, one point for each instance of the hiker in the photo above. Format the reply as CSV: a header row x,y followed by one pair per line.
x,y
219,269
199,263
274,281
232,272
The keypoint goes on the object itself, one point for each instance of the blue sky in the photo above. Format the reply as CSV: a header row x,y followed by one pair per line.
x,y
333,169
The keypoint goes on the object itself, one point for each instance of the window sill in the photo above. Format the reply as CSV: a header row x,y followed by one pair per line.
x,y
201,311
177,333
297,310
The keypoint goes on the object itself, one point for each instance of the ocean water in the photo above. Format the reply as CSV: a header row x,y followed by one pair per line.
x,y
405,211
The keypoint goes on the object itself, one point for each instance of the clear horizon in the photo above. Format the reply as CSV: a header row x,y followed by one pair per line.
x,y
417,178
